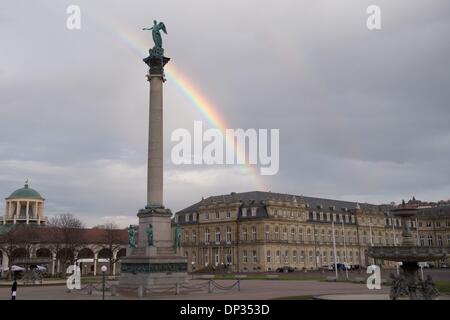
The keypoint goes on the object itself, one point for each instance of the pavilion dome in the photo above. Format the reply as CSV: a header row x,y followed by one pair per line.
x,y
25,193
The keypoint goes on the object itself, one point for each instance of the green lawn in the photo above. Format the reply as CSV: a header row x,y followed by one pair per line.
x,y
297,277
306,297
443,286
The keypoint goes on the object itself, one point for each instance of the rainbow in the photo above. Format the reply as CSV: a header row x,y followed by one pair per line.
x,y
138,43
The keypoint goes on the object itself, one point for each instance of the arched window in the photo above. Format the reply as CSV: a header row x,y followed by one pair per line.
x,y
267,233
300,234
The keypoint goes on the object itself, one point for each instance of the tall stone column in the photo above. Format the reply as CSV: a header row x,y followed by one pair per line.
x,y
155,141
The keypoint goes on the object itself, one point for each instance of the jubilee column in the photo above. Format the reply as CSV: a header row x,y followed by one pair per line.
x,y
156,61
152,259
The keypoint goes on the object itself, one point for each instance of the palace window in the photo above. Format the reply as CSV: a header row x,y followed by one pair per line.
x,y
267,234
353,219
217,234
324,255
285,234
228,214
206,256
194,236
254,233
254,212
217,215
438,224
328,216
228,234
277,233
439,240
330,236
309,235
244,256
186,236
268,257
194,257
346,218
255,257
334,217
321,216
310,256
300,234
293,234
244,212
206,216
286,256
186,217
314,215
322,236
448,240
430,240
278,256
302,256
294,256
206,235
428,224
228,257
244,233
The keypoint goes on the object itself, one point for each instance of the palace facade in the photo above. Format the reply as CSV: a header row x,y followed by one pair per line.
x,y
263,231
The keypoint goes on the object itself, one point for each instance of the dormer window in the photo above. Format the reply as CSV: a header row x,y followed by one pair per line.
x,y
176,219
254,212
244,212
186,218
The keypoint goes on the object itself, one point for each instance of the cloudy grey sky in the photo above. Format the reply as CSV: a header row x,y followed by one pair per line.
x,y
363,115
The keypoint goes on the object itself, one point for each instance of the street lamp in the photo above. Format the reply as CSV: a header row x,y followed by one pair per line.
x,y
103,284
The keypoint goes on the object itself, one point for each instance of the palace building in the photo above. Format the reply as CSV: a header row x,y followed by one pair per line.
x,y
264,231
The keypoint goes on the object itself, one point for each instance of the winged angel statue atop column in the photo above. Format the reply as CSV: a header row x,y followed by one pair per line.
x,y
156,32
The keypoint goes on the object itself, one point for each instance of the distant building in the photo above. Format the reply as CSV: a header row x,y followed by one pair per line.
x,y
264,231
25,236
24,205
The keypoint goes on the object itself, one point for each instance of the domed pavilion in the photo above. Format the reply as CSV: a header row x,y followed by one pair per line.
x,y
24,206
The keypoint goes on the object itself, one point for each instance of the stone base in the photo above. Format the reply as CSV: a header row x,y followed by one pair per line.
x,y
152,273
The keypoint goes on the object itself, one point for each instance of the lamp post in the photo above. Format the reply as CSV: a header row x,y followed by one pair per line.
x,y
103,281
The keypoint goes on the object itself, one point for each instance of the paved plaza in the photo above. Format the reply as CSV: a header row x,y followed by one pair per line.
x,y
250,290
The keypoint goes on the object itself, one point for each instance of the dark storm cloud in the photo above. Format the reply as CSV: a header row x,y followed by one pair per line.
x,y
363,115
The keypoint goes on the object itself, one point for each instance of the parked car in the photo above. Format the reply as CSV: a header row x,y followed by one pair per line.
x,y
285,269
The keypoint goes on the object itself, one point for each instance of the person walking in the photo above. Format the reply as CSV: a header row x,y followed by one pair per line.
x,y
14,290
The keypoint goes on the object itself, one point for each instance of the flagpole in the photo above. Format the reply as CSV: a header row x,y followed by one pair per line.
x,y
334,249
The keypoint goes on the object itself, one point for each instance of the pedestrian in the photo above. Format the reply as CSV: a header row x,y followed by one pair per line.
x,y
14,290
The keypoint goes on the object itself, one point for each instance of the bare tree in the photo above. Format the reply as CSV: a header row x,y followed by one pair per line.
x,y
14,238
66,232
111,240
